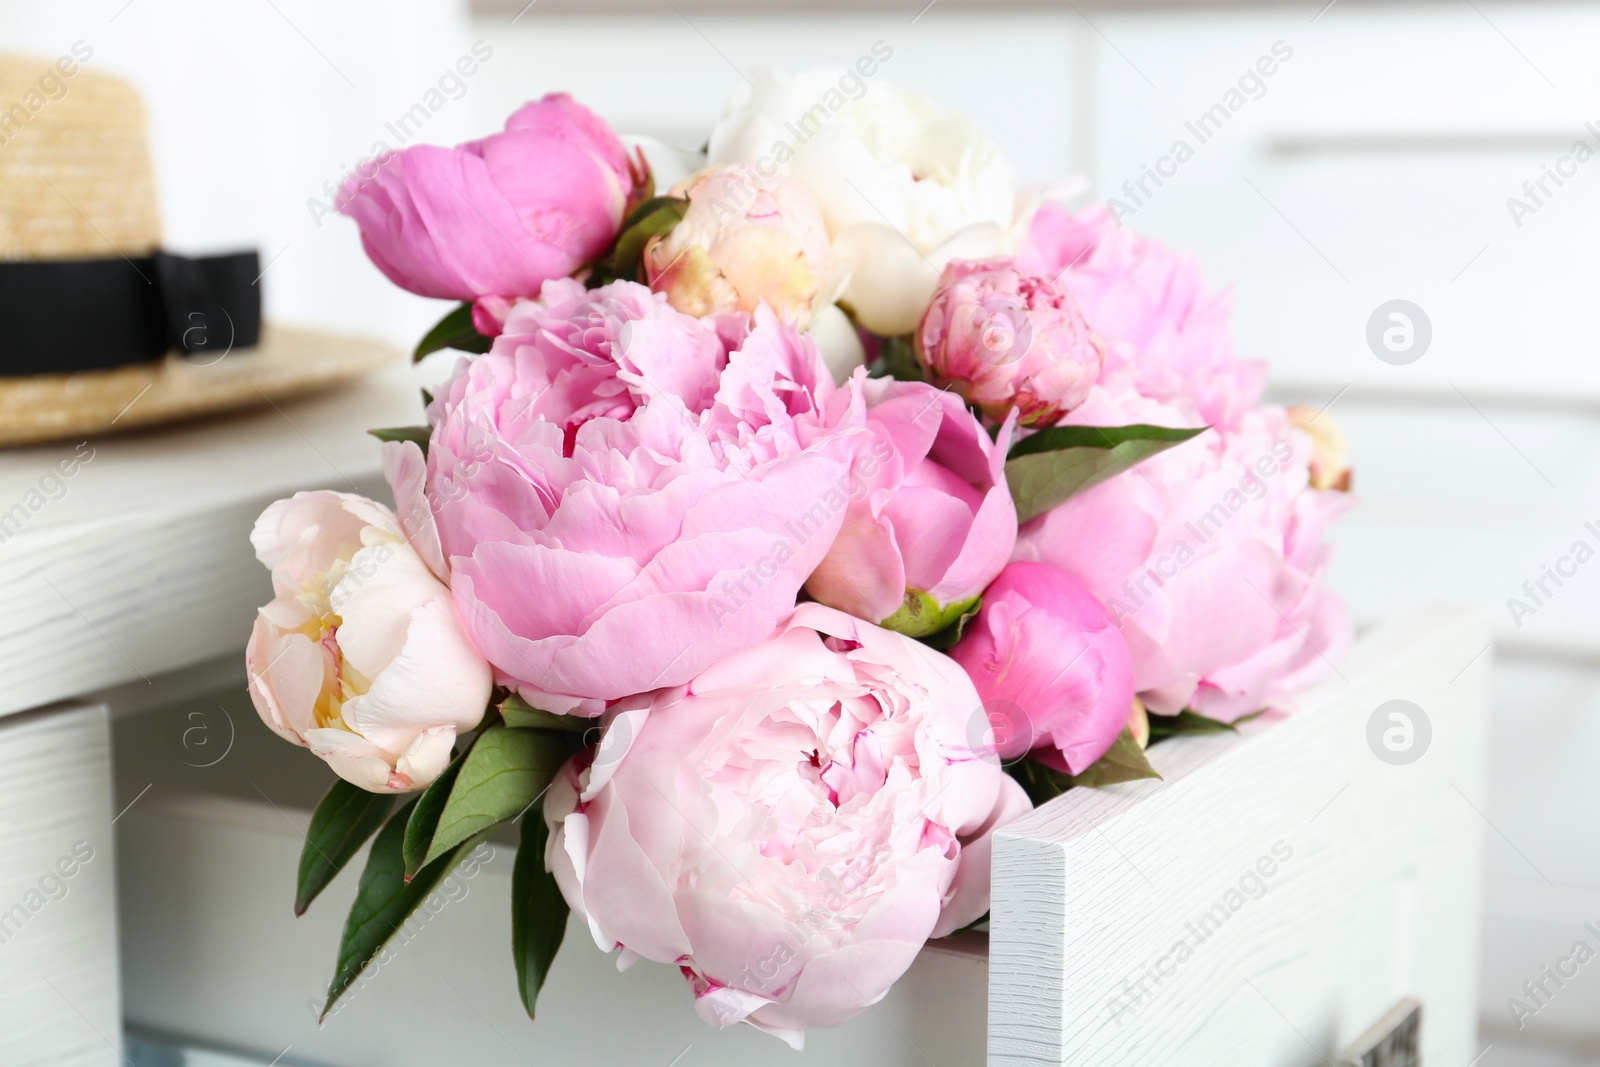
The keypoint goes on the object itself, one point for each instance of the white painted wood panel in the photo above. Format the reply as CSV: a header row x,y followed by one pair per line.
x,y
211,949
58,938
140,561
1273,896
1543,883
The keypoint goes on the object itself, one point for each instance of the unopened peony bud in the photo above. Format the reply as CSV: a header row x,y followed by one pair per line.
x,y
743,241
1045,658
500,216
1008,340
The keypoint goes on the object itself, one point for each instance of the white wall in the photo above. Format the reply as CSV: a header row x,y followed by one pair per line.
x,y
254,106
670,75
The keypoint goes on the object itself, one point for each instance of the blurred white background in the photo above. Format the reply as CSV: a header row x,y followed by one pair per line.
x,y
1376,164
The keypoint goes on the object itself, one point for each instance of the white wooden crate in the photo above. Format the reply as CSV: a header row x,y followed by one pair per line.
x,y
1377,898
1273,896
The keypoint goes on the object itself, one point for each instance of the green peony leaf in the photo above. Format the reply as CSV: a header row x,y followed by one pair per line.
x,y
897,359
505,772
1185,722
425,816
538,911
519,714
419,434
1046,468
653,218
345,817
385,900
1124,762
455,330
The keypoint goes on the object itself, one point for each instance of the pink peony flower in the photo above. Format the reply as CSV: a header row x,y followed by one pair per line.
x,y
1008,339
930,522
1164,336
1209,557
788,828
500,216
1052,670
621,499
360,655
578,354
744,240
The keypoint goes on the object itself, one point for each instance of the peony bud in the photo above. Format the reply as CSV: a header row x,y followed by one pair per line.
x,y
743,241
1008,340
360,656
1051,668
500,216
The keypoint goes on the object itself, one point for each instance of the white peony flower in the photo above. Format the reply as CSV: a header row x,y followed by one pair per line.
x,y
904,187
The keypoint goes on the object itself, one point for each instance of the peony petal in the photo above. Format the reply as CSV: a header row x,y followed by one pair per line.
x,y
437,679
864,571
355,759
969,892
406,469
424,759
287,672
381,587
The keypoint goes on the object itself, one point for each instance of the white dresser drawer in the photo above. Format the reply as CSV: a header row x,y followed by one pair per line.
x,y
59,1001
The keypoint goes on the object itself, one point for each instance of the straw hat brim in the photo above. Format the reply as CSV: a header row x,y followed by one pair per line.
x,y
287,362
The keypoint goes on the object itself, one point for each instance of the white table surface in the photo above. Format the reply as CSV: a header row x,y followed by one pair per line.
x,y
142,565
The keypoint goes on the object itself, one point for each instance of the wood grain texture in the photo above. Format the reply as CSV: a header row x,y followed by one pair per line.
x,y
1343,882
58,940
140,562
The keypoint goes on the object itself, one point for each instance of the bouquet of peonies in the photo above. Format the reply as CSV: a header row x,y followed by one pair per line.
x,y
778,539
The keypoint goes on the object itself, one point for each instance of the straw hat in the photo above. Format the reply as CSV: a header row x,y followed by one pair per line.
x,y
79,224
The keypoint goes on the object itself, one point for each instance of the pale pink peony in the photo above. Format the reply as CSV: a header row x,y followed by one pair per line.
x,y
1052,669
1164,336
1007,339
743,241
360,655
931,520
622,500
1209,557
499,216
788,828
